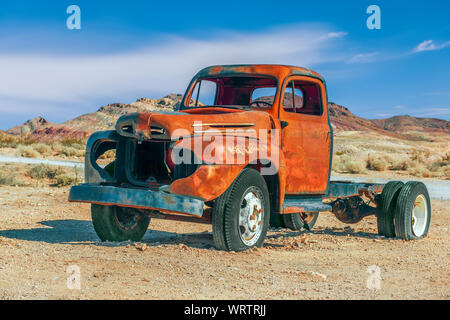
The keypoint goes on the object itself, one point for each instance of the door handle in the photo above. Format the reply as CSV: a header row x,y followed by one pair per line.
x,y
284,124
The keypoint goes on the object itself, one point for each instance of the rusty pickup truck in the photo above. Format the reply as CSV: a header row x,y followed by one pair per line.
x,y
249,147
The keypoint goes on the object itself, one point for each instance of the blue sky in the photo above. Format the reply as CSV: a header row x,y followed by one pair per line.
x,y
132,49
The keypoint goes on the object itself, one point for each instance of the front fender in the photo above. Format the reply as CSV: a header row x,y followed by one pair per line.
x,y
207,182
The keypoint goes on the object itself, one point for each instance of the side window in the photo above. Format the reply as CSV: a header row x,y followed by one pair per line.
x,y
204,93
302,97
293,98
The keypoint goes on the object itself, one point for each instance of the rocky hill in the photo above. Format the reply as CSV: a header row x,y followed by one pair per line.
x,y
82,126
405,127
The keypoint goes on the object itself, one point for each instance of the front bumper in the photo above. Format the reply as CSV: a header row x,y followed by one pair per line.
x,y
137,198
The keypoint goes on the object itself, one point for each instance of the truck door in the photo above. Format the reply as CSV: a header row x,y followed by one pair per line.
x,y
306,135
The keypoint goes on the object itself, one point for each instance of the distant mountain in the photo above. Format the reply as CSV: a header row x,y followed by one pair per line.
x,y
82,126
404,127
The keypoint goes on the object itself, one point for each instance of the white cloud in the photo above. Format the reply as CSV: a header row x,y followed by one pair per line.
x,y
167,67
363,57
430,45
437,111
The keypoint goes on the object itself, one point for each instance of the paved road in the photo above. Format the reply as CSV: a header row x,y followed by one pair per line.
x,y
438,189
71,164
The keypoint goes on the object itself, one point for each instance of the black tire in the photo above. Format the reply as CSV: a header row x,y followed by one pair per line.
x,y
295,222
225,215
412,194
277,221
112,223
386,208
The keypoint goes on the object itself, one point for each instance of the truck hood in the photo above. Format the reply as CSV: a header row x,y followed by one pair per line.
x,y
171,125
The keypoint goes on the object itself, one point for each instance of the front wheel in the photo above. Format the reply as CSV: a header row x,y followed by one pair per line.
x,y
241,215
112,223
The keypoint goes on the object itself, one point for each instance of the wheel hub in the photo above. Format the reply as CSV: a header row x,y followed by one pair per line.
x,y
251,216
419,215
126,220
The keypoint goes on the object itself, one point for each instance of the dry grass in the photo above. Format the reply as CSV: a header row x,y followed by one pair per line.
x,y
10,179
419,170
446,171
27,151
63,180
347,164
42,171
39,175
34,149
378,163
415,162
72,151
42,148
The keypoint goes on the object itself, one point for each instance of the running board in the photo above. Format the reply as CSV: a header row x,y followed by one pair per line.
x,y
304,204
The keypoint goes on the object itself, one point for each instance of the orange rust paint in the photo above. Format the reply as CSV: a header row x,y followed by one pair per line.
x,y
289,210
208,182
306,146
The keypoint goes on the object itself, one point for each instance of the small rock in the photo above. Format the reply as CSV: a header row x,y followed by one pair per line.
x,y
142,248
324,277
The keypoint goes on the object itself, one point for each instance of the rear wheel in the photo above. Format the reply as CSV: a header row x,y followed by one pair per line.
x,y
297,221
241,215
413,211
112,223
386,208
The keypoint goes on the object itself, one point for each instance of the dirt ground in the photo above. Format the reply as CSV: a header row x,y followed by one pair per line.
x,y
41,235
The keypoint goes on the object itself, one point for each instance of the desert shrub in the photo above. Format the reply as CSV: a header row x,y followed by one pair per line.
x,y
446,171
72,152
347,164
42,148
110,154
377,163
446,158
57,148
338,163
349,149
355,166
27,151
400,164
8,140
419,156
42,171
419,170
74,143
9,179
63,180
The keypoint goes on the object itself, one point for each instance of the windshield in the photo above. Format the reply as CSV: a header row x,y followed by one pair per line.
x,y
235,91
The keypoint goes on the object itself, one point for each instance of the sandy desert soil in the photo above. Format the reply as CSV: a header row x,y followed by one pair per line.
x,y
41,234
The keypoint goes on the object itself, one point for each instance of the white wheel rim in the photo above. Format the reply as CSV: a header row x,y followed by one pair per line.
x,y
419,215
251,215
